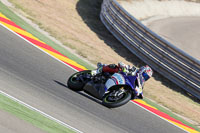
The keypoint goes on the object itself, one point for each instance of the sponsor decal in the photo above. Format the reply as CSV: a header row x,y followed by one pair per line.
x,y
118,78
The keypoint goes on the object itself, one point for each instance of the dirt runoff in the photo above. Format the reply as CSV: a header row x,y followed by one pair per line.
x,y
77,25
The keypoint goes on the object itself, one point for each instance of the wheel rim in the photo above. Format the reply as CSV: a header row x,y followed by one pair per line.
x,y
112,99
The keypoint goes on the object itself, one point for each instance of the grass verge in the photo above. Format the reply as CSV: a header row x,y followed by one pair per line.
x,y
25,26
12,16
31,116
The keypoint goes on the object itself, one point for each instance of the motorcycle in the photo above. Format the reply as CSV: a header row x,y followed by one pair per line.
x,y
113,89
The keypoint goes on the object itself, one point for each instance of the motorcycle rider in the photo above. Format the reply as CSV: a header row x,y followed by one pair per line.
x,y
111,68
143,74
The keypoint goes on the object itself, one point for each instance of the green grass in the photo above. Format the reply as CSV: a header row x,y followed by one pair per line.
x,y
31,116
27,27
8,13
170,113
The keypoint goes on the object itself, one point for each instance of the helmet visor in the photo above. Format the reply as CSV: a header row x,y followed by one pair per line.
x,y
146,76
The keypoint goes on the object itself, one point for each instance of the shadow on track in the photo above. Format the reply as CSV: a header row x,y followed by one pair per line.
x,y
80,92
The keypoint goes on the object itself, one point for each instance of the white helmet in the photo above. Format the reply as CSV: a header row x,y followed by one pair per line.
x,y
146,72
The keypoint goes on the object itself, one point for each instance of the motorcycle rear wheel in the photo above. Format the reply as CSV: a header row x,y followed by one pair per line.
x,y
75,84
116,103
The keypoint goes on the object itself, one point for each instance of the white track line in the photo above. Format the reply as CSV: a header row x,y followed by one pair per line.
x,y
42,113
29,106
76,71
37,47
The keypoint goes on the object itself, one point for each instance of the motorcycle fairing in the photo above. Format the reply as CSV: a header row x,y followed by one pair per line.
x,y
95,89
131,81
116,79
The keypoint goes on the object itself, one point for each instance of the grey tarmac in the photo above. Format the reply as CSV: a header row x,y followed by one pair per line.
x,y
34,77
182,32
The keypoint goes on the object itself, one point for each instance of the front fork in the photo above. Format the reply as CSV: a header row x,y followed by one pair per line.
x,y
118,92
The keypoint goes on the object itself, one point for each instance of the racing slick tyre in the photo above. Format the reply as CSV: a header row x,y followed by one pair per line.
x,y
111,101
77,81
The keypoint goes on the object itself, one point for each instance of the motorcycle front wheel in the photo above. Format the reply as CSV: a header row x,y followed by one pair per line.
x,y
77,81
111,101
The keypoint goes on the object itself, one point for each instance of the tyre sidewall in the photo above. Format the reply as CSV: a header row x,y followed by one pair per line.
x,y
118,103
76,86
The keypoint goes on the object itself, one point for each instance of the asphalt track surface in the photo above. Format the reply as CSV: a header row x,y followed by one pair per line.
x,y
182,32
40,81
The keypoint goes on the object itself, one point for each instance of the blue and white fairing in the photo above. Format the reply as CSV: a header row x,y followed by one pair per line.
x,y
120,79
98,90
115,79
